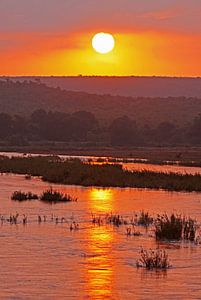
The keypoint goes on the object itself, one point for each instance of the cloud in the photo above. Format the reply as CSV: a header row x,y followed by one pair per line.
x,y
75,15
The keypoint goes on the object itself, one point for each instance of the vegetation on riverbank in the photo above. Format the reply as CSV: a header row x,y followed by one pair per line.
x,y
42,113
75,172
181,156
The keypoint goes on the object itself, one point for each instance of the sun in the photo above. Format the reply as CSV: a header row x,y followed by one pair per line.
x,y
103,42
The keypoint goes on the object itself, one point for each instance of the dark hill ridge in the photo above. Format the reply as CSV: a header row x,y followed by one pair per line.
x,y
127,86
24,98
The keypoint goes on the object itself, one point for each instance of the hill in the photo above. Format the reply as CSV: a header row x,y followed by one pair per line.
x,y
126,86
25,97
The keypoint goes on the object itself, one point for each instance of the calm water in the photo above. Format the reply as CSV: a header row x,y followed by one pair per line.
x,y
129,166
48,261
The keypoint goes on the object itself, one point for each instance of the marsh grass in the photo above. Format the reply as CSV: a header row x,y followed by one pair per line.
x,y
110,218
22,196
107,175
153,259
132,231
175,227
115,220
52,196
145,219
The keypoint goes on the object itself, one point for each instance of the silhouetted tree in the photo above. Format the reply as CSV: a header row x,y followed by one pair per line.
x,y
194,133
5,125
124,132
165,132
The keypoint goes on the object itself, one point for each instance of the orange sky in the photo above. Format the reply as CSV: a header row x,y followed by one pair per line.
x,y
158,44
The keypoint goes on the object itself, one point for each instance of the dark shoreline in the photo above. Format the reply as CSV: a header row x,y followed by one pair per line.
x,y
74,172
182,156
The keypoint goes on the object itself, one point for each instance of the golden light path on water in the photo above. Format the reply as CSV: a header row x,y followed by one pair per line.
x,y
100,266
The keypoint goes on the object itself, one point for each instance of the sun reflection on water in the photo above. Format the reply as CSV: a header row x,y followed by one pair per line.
x,y
100,260
101,200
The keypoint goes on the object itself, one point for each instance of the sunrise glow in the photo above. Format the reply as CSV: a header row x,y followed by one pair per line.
x,y
103,42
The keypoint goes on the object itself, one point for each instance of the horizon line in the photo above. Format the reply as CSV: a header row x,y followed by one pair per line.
x,y
103,76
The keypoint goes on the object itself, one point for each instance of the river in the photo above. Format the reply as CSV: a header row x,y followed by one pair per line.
x,y
131,166
48,261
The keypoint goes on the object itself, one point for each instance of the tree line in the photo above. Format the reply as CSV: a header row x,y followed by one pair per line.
x,y
82,126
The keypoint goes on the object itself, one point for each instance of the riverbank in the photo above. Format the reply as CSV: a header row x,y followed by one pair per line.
x,y
75,172
183,156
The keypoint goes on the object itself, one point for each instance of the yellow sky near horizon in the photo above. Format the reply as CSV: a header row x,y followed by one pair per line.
x,y
136,53
53,37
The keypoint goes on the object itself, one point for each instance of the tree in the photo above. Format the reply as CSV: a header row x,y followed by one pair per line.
x,y
195,131
5,125
124,132
166,132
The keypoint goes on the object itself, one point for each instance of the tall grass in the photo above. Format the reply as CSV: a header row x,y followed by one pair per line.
x,y
52,196
153,259
22,196
145,219
78,173
175,227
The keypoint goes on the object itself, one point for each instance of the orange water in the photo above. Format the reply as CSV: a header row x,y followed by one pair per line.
x,y
48,261
129,166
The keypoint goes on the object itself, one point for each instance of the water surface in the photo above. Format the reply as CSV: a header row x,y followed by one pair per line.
x,y
48,261
141,165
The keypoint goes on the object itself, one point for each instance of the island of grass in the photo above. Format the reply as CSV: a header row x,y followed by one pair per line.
x,y
49,196
22,196
52,196
153,259
74,172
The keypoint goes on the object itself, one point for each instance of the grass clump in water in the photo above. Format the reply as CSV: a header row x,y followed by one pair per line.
x,y
145,219
153,259
175,227
22,196
53,196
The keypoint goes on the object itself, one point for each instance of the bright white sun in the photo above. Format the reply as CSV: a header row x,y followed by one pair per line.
x,y
103,42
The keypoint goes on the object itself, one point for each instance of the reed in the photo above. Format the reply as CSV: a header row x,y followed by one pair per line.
x,y
145,219
52,196
22,196
153,259
106,175
175,227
